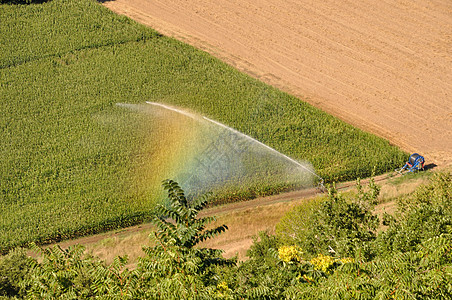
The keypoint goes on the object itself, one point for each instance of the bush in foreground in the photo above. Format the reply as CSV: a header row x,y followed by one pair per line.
x,y
411,259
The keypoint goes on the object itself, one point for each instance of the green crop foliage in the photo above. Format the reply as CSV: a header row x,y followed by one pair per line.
x,y
69,155
56,28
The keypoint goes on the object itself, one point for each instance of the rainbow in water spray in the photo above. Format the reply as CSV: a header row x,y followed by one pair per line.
x,y
243,139
204,155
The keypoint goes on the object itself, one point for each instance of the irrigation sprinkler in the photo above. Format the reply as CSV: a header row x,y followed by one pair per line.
x,y
415,163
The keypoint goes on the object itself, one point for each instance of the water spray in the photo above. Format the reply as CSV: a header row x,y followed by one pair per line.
x,y
298,164
321,182
173,109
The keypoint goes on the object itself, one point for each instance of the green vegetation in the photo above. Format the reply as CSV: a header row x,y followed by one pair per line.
x,y
69,156
172,269
410,176
57,28
19,1
410,259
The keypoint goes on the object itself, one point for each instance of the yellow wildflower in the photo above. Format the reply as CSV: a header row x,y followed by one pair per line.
x,y
223,289
290,253
323,262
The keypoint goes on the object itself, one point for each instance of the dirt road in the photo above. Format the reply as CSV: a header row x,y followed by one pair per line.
x,y
383,66
241,219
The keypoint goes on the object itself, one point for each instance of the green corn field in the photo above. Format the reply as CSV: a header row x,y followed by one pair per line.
x,y
69,154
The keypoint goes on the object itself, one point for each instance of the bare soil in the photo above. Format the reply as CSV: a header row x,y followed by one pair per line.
x,y
382,66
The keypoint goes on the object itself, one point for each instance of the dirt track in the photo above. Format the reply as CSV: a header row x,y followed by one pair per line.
x,y
240,218
383,66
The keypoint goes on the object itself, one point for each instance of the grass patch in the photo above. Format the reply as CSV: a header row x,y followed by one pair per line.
x,y
424,175
69,155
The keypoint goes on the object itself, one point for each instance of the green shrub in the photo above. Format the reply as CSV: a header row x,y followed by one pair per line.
x,y
13,268
174,268
294,225
175,259
344,227
425,214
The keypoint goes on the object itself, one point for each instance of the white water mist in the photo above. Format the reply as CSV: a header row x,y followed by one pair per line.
x,y
231,158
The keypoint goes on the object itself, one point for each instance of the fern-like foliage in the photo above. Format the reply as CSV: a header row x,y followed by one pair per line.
x,y
174,260
62,273
178,224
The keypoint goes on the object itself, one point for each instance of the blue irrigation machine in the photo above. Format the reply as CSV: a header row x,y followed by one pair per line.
x,y
415,163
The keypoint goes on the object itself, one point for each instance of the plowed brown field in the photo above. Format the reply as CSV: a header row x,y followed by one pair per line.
x,y
384,66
